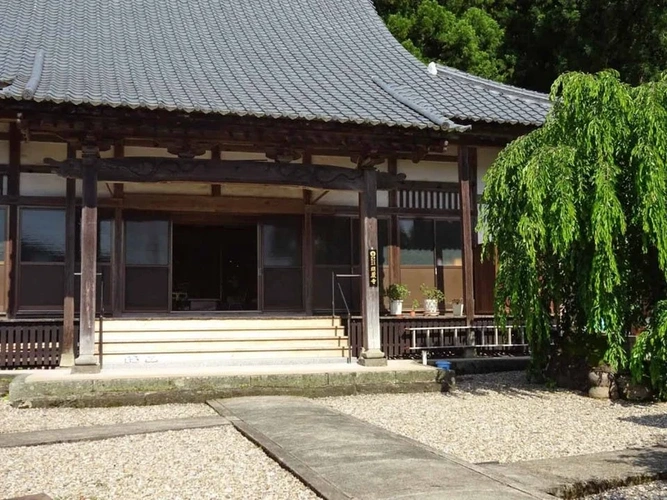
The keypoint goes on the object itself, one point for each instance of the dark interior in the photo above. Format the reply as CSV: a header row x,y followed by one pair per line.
x,y
214,268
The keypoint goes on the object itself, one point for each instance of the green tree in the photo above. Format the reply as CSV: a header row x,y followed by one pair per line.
x,y
550,37
577,211
466,38
530,42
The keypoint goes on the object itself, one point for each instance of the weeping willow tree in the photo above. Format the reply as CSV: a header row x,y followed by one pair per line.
x,y
577,213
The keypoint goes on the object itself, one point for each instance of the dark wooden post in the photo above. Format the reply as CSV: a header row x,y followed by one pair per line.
x,y
394,248
117,261
87,360
307,253
372,354
67,344
466,156
13,177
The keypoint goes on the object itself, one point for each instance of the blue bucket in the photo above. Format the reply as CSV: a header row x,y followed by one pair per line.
x,y
443,365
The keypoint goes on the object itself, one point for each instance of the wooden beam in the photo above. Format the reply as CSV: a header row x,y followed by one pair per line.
x,y
467,161
152,169
67,344
86,356
12,246
372,354
192,203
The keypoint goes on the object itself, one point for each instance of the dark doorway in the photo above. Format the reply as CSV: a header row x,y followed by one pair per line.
x,y
214,268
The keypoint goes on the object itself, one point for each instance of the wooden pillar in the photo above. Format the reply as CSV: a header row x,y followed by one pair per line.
x,y
11,257
307,255
394,246
467,159
67,344
117,260
87,357
372,354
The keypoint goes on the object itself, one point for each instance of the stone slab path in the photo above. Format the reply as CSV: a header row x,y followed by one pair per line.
x,y
582,474
341,457
74,434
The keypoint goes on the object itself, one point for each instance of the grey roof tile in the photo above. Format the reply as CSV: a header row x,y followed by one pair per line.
x,y
309,59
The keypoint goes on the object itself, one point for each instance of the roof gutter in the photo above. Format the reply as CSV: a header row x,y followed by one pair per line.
x,y
443,122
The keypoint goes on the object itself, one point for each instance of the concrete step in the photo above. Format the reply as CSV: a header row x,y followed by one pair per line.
x,y
268,345
219,335
217,324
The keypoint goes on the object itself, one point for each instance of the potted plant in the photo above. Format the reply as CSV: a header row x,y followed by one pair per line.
x,y
415,306
397,294
432,296
457,307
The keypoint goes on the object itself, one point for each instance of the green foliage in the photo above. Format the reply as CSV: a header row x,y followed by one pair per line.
x,y
578,213
468,39
431,293
397,291
530,43
649,355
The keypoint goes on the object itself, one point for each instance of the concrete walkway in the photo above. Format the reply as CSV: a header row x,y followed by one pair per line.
x,y
341,457
575,476
98,432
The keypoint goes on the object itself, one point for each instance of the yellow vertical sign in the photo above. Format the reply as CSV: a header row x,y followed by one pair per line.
x,y
373,267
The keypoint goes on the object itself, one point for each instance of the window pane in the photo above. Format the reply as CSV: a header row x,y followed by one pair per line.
x,y
416,237
42,235
448,243
331,240
104,240
282,244
147,243
3,233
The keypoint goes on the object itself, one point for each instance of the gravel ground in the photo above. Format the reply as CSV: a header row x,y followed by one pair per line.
x,y
500,417
198,464
22,420
650,491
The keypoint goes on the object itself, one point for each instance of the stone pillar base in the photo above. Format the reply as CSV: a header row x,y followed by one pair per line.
x,y
86,364
66,360
372,357
86,368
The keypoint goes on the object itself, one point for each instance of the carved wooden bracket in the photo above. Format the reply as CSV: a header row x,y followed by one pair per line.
x,y
150,169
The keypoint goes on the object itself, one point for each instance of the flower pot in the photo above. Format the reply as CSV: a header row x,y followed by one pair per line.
x,y
396,307
431,307
457,309
413,313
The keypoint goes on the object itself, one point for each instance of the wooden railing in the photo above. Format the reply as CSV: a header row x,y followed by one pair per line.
x,y
396,339
30,343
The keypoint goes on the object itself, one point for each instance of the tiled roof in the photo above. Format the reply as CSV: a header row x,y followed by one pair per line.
x,y
328,60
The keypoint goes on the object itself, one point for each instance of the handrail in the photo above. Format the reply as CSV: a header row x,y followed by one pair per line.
x,y
334,282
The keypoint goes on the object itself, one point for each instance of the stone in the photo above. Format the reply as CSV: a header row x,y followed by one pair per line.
x,y
447,380
372,358
80,368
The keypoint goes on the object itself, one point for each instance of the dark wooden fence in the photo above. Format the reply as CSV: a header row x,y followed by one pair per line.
x,y
396,341
30,343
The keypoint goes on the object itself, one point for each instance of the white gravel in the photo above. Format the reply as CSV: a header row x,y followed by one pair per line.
x,y
197,464
35,419
500,417
650,491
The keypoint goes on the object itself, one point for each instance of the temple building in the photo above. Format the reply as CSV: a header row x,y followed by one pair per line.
x,y
214,176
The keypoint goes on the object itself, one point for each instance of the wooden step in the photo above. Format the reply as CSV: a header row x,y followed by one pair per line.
x,y
201,357
217,324
267,345
215,335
